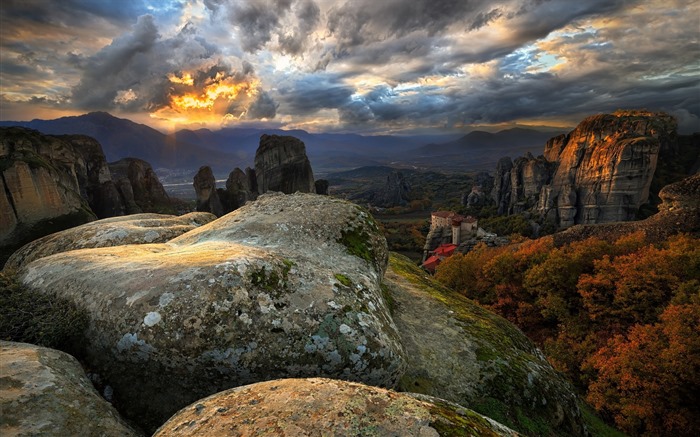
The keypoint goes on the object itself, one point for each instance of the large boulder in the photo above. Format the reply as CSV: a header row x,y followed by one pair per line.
x,y
322,407
115,231
46,392
287,286
463,353
139,186
281,164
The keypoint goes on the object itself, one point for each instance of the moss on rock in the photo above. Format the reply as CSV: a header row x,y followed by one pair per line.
x,y
461,352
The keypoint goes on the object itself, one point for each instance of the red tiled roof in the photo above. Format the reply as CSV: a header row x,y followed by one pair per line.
x,y
445,249
431,263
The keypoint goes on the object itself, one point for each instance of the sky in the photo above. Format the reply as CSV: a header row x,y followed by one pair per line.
x,y
364,66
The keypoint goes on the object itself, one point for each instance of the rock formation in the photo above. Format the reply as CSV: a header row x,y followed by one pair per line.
x,y
46,392
53,182
321,407
287,286
281,164
40,187
395,192
598,173
458,351
116,231
207,196
238,189
139,186
321,187
678,212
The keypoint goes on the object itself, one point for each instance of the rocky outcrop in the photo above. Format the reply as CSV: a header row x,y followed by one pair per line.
x,y
679,212
116,231
281,165
238,189
461,352
287,286
139,187
437,236
520,183
321,187
44,187
207,196
46,392
322,407
94,176
502,191
682,196
598,173
395,191
480,192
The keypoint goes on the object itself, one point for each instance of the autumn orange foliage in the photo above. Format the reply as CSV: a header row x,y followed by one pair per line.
x,y
620,318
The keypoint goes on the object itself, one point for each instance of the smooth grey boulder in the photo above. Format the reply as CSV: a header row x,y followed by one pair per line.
x,y
115,231
46,392
287,286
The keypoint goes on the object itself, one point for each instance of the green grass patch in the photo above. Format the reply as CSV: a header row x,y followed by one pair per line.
x,y
37,318
355,241
344,280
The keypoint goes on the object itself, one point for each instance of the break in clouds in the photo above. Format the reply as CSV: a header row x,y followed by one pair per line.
x,y
362,65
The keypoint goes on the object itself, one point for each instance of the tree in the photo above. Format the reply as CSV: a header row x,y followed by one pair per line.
x,y
649,380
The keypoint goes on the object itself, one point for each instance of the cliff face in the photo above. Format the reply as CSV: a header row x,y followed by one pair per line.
x,y
598,173
281,164
45,186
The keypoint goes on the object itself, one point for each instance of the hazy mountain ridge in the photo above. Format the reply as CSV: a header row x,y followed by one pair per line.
x,y
228,148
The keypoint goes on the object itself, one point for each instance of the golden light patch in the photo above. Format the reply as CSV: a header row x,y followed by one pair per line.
x,y
209,101
186,79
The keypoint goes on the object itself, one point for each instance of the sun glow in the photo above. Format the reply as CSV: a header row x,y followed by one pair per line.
x,y
210,101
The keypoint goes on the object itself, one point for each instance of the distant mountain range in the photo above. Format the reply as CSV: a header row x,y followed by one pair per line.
x,y
228,148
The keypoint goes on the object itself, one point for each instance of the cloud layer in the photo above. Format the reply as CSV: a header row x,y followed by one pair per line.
x,y
355,65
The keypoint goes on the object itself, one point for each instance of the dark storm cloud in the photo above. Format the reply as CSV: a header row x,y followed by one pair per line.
x,y
264,106
307,17
260,21
368,31
122,65
314,92
70,12
142,71
397,105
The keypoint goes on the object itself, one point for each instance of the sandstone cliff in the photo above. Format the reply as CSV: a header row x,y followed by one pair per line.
x,y
678,212
42,180
598,173
281,164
